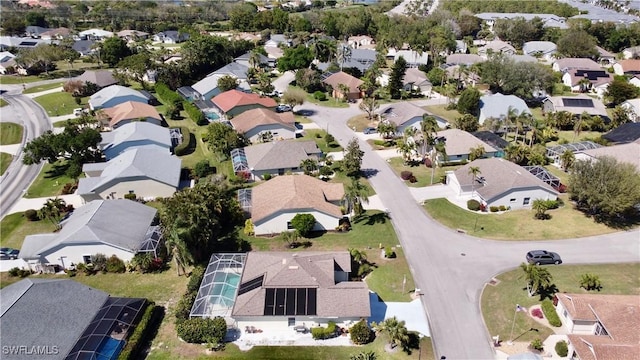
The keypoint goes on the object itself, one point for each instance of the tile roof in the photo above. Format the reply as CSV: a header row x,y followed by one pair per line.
x,y
630,65
130,110
401,112
343,78
305,269
578,104
295,192
285,154
102,78
459,142
233,98
595,77
250,119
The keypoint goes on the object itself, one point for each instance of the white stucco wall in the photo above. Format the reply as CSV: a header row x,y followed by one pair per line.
x,y
519,195
282,322
74,254
277,223
279,132
146,189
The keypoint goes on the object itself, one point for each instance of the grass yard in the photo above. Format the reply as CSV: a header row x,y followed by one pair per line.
x,y
5,161
17,79
330,102
302,119
10,133
421,172
441,110
50,181
571,137
3,102
44,87
61,103
499,301
361,122
318,135
15,227
566,222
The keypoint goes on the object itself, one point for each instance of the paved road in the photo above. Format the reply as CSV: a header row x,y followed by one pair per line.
x,y
451,268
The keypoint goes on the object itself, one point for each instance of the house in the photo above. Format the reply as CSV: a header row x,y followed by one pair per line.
x,y
56,34
415,80
498,106
545,50
499,183
361,42
255,124
625,133
342,78
35,31
275,202
235,102
245,60
412,57
361,59
631,52
114,95
496,47
555,152
275,40
635,80
135,135
633,109
110,227
127,112
83,47
580,80
458,145
463,59
78,322
566,64
102,78
147,173
627,67
548,20
37,3
7,62
132,35
7,42
576,105
275,158
405,115
600,326
606,58
95,34
208,87
461,47
625,153
170,37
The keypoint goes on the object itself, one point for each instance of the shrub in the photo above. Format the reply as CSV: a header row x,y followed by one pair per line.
x,y
405,175
552,204
328,138
473,205
379,142
69,188
537,313
590,282
115,265
494,208
195,279
361,333
550,313
561,348
70,273
130,196
413,179
326,171
31,215
503,208
17,272
99,262
203,168
201,330
186,142
303,223
537,345
321,333
267,177
249,230
389,253
168,96
145,328
183,307
320,96
195,114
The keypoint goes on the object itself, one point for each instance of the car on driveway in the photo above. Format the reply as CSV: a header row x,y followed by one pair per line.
x,y
283,108
370,130
543,257
8,253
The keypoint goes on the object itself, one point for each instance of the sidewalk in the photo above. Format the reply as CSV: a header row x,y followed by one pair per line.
x,y
10,149
50,91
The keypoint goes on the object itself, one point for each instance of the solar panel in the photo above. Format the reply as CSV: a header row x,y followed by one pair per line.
x,y
280,300
301,301
269,301
252,284
311,301
290,306
577,102
297,301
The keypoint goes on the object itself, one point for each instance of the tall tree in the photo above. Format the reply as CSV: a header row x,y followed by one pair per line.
x,y
469,101
395,329
621,90
113,50
396,78
474,171
137,66
222,139
355,195
577,43
295,58
567,159
293,97
52,210
476,152
177,247
343,55
203,54
352,161
537,277
467,122
369,105
227,82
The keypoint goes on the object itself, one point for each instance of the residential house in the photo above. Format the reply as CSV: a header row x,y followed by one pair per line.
x,y
416,81
287,290
496,47
499,183
627,67
245,60
576,105
275,40
412,57
55,34
8,42
628,153
127,112
261,125
34,31
275,158
461,47
234,102
361,42
548,20
210,111
135,135
115,95
342,78
78,322
275,202
95,34
463,74
625,133
498,106
208,87
45,4
544,50
405,115
170,37
147,173
600,326
463,59
633,109
635,80
111,227
132,35
361,59
631,52
580,80
102,78
7,62
458,145
601,15
567,64
606,58
83,47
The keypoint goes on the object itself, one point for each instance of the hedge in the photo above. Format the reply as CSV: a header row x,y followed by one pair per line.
x,y
143,332
168,96
561,348
473,205
361,333
550,313
195,114
321,333
202,330
186,142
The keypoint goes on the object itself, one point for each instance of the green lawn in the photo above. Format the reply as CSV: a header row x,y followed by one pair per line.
x,y
10,133
499,301
15,227
44,87
330,102
421,172
566,222
201,150
58,104
5,161
571,137
17,79
49,182
441,110
318,135
360,122
3,102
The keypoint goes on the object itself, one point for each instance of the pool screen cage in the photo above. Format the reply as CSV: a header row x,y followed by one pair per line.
x,y
244,198
544,175
555,152
152,240
239,160
219,286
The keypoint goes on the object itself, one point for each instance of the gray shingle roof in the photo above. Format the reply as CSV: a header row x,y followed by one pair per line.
x,y
541,47
135,135
120,223
280,154
460,142
401,112
497,106
98,99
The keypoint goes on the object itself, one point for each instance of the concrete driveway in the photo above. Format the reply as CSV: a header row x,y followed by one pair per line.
x,y
282,83
431,192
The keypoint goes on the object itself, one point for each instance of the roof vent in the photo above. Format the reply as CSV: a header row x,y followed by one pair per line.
x,y
284,261
293,267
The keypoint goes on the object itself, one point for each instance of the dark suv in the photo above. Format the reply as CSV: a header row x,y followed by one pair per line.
x,y
542,257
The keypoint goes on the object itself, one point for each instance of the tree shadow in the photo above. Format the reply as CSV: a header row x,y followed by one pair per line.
x,y
315,234
548,292
153,326
367,173
371,219
413,343
57,170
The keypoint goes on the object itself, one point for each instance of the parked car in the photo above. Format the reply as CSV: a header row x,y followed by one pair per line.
x,y
8,253
543,257
283,108
370,130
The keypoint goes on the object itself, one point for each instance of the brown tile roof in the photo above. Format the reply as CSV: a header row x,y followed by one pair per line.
x,y
343,78
600,80
256,117
308,269
232,98
630,65
130,110
458,142
295,192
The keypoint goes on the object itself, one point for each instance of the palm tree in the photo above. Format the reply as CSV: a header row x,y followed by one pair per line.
x,y
439,150
510,120
343,55
406,148
540,207
358,256
474,171
538,278
344,90
567,159
577,128
369,105
395,329
52,210
254,59
309,166
354,195
387,129
177,247
476,152
290,237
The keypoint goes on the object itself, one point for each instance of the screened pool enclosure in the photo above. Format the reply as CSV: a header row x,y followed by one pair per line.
x,y
219,286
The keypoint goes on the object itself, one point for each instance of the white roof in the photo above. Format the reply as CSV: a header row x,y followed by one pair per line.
x,y
98,99
497,106
96,32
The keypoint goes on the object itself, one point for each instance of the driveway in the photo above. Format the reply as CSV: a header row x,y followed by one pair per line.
x,y
282,83
431,192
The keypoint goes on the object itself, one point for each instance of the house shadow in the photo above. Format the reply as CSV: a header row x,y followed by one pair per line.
x,y
378,308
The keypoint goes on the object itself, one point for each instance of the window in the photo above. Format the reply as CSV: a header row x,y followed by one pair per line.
x,y
280,171
292,321
86,259
131,192
564,313
289,226
526,201
512,200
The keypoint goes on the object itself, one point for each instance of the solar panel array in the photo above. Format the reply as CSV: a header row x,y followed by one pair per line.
x,y
591,74
299,301
252,284
569,102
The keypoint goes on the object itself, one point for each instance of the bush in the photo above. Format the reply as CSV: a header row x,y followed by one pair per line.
x,y
321,333
537,345
69,188
99,262
561,348
168,96
326,171
537,313
590,282
130,196
203,168
195,114
195,279
146,327
201,330
266,177
413,179
17,272
249,229
552,204
503,208
494,208
320,96
405,175
115,265
389,253
183,308
328,138
31,215
186,142
473,205
550,313
361,333
303,223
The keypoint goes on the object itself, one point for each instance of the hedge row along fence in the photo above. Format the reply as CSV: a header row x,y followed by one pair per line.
x,y
169,96
186,141
143,333
550,313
